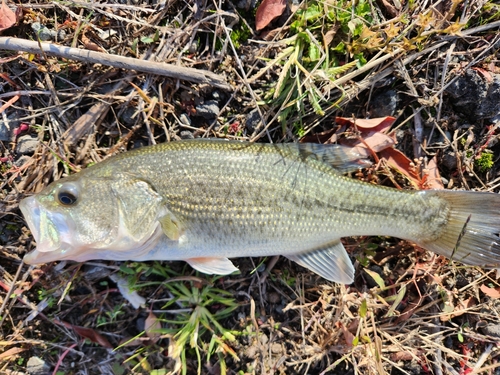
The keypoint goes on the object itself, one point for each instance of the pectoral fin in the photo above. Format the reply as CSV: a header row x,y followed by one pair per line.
x,y
211,266
330,262
171,226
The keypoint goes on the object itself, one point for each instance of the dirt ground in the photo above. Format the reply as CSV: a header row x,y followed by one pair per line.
x,y
83,80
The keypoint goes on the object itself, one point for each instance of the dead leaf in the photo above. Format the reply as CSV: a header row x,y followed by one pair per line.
x,y
380,124
152,327
348,336
433,180
86,123
462,307
130,295
91,335
7,17
400,162
403,356
330,34
267,11
372,142
490,292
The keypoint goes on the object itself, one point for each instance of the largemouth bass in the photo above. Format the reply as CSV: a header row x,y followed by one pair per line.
x,y
204,201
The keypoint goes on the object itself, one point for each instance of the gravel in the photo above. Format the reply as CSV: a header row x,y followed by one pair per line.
x,y
208,110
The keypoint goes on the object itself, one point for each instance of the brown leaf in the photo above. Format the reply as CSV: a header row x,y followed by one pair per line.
x,y
92,335
380,124
152,327
400,162
328,37
268,10
405,355
490,292
372,142
348,336
7,17
433,177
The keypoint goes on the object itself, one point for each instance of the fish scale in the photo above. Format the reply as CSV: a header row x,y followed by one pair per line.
x,y
204,201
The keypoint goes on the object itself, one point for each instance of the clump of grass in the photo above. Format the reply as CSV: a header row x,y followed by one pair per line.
x,y
197,326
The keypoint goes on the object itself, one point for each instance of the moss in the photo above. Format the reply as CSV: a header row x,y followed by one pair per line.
x,y
484,162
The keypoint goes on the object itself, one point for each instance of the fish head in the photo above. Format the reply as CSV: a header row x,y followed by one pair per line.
x,y
85,217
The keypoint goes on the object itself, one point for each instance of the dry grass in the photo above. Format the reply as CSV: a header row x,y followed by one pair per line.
x,y
420,315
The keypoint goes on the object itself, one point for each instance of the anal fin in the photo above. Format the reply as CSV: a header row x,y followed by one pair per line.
x,y
330,262
211,266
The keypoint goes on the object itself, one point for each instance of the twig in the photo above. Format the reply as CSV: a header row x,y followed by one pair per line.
x,y
59,361
9,293
129,63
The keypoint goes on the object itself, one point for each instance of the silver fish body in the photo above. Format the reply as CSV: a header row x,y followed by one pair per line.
x,y
204,201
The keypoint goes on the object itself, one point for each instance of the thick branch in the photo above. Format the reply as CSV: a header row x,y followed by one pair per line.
x,y
129,63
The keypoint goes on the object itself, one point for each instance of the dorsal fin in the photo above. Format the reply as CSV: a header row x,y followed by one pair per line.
x,y
342,158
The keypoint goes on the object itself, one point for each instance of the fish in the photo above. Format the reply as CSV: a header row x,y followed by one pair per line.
x,y
206,201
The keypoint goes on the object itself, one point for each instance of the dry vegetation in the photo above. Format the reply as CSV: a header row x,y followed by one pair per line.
x,y
433,65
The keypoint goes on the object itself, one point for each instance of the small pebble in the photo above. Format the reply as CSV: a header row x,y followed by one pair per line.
x,y
186,134
208,110
251,352
26,145
45,34
22,160
36,26
61,34
276,348
263,339
193,47
216,95
252,120
127,116
37,366
4,131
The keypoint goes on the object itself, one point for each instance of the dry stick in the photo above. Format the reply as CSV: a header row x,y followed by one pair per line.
x,y
158,68
9,293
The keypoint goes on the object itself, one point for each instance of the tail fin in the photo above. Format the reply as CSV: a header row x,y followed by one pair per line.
x,y
472,233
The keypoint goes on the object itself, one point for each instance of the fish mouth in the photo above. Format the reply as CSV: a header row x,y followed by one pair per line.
x,y
50,230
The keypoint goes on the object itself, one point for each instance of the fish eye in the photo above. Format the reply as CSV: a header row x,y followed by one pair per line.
x,y
67,195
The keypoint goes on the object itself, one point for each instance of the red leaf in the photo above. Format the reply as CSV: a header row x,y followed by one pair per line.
x,y
267,11
92,335
7,17
490,292
373,141
433,177
380,124
400,162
